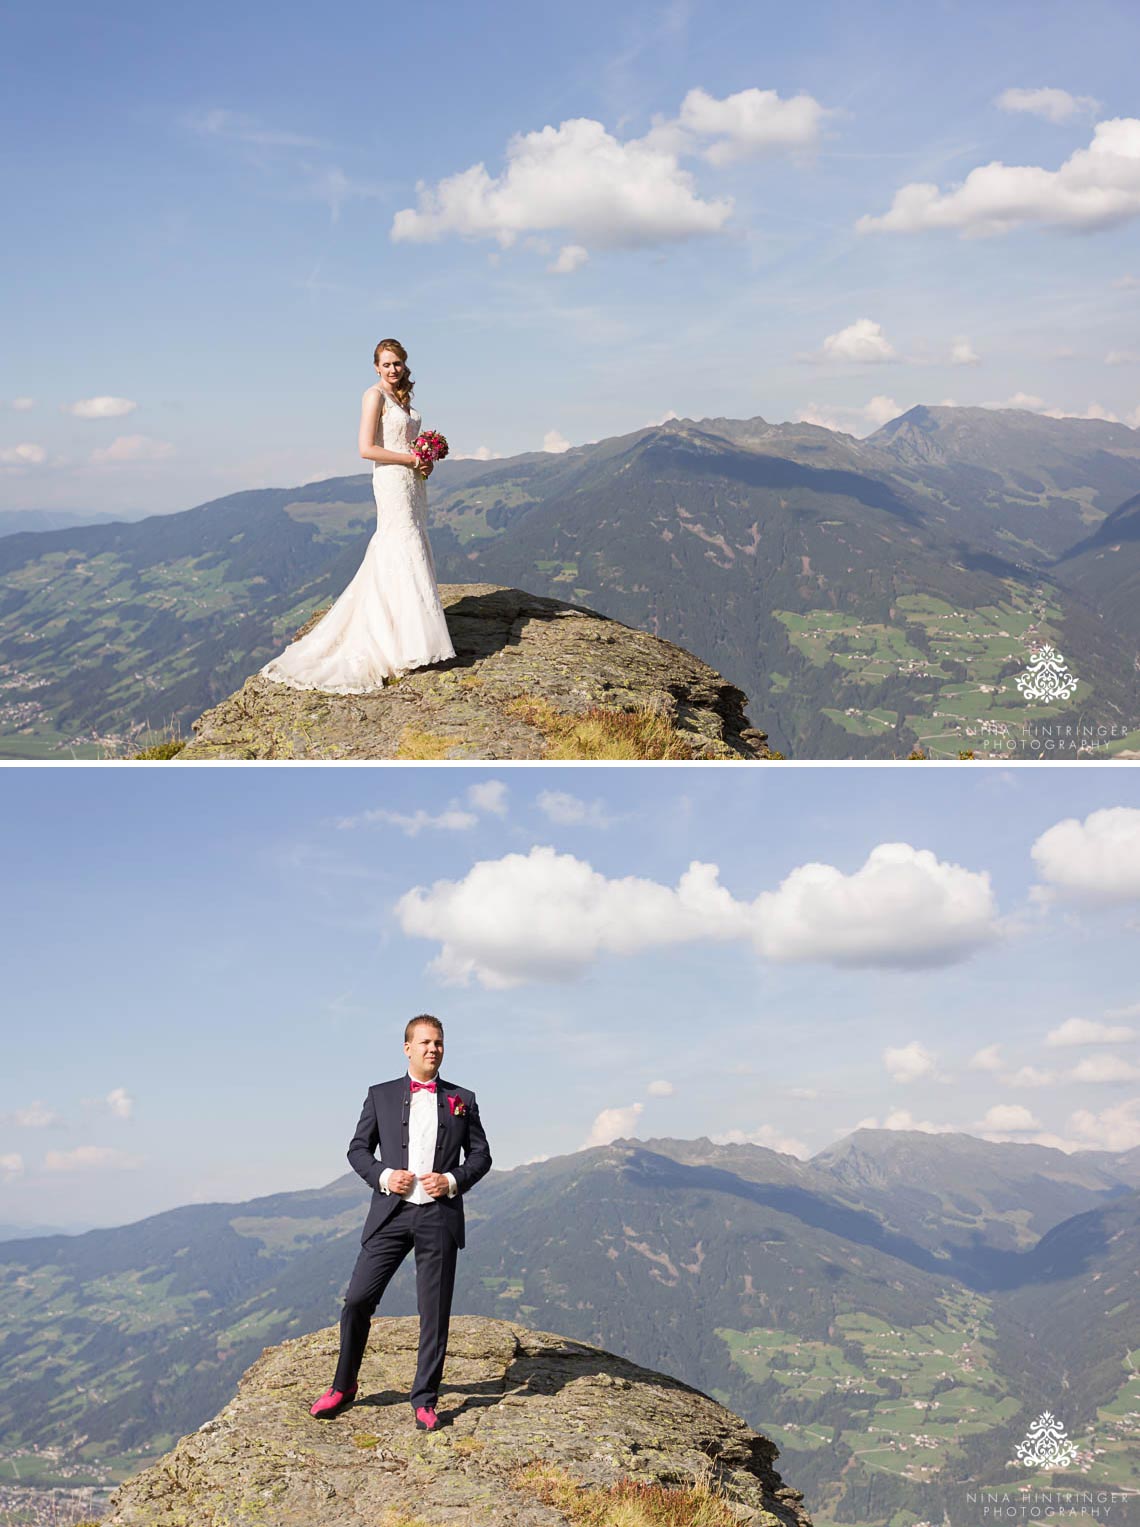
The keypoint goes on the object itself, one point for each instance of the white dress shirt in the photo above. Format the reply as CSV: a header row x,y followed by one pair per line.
x,y
423,1125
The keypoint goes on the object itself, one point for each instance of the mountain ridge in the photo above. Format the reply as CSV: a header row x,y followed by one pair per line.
x,y
867,603
768,1282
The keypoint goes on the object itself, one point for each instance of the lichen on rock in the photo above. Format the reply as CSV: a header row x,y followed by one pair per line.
x,y
520,1409
532,678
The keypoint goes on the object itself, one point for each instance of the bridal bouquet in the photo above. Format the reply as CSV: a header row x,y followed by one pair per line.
x,y
429,445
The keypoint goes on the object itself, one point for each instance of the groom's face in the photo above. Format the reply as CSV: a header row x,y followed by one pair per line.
x,y
425,1052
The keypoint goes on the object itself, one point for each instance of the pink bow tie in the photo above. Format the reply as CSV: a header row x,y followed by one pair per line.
x,y
423,1086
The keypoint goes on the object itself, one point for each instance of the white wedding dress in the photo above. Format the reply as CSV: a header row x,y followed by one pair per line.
x,y
389,619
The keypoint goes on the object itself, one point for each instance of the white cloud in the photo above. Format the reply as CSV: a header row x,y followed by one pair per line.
x,y
805,1094
570,811
1090,1031
1030,1076
581,180
22,405
1121,358
100,408
1096,861
26,454
664,419
962,353
853,421
1105,1068
1009,1118
484,453
546,915
909,1062
412,823
862,341
489,795
750,122
824,417
1126,283
133,448
554,442
11,1166
904,907
571,257
120,1102
661,1089
221,123
575,177
89,1158
36,1115
1054,105
1096,188
1026,400
1113,1129
986,1059
766,1135
612,1124
881,410
1093,411
900,1118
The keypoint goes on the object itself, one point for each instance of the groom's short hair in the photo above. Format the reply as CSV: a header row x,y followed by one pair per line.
x,y
413,1024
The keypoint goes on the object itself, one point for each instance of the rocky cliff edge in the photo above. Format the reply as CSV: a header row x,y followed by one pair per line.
x,y
537,1431
532,678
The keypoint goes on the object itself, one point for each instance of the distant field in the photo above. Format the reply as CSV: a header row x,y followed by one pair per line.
x,y
950,1388
956,683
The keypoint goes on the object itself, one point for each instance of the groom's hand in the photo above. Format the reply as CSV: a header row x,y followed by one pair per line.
x,y
436,1184
401,1182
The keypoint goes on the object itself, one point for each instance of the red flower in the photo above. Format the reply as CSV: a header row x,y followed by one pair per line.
x,y
456,1104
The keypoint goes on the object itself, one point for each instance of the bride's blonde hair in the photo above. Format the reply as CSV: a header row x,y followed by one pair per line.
x,y
407,384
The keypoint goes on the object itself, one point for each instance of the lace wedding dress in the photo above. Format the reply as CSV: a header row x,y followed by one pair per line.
x,y
389,619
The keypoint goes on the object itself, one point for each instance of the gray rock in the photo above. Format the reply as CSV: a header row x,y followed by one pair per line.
x,y
528,676
511,1398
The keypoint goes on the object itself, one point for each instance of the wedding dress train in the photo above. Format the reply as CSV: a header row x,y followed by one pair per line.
x,y
389,619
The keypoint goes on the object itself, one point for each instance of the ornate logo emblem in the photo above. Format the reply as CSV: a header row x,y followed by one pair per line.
x,y
1046,678
1046,1445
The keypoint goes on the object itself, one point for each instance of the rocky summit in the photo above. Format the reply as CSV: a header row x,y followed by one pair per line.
x,y
532,678
536,1431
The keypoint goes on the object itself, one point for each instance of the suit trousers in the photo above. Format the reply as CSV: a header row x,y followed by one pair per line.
x,y
422,1226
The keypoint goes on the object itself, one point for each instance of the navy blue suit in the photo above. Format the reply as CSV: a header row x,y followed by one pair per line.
x,y
393,1226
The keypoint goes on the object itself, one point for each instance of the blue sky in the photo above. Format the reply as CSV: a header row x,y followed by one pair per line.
x,y
214,212
204,969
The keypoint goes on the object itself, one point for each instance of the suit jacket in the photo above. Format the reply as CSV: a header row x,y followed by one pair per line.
x,y
384,1126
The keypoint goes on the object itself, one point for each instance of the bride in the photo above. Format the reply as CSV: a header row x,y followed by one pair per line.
x,y
389,619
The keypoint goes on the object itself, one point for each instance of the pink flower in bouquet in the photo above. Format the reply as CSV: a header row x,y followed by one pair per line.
x,y
429,445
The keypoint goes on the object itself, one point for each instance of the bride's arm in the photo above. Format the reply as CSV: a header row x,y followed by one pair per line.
x,y
369,415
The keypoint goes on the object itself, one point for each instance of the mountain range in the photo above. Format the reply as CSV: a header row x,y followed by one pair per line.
x,y
894,1312
14,521
869,596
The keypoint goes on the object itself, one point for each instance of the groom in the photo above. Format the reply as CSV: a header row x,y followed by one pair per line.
x,y
421,1125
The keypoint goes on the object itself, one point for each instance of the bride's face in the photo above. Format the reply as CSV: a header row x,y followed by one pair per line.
x,y
390,367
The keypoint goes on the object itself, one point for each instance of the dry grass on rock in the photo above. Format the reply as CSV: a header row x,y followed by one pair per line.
x,y
626,1503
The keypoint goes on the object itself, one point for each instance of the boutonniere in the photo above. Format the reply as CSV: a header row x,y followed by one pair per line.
x,y
456,1104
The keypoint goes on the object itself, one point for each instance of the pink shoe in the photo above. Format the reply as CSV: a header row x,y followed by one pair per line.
x,y
332,1402
426,1419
